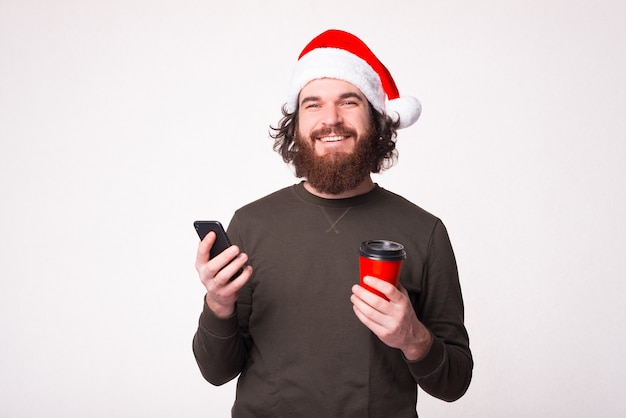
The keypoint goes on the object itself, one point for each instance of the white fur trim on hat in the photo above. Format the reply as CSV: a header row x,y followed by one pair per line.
x,y
339,64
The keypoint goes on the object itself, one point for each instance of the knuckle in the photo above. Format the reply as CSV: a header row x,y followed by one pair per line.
x,y
394,328
378,303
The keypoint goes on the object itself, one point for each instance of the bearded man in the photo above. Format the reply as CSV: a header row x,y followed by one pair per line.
x,y
304,337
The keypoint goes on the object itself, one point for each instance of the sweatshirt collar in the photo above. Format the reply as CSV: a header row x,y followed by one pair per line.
x,y
302,193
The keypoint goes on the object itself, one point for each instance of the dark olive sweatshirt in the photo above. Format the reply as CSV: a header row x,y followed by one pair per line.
x,y
295,342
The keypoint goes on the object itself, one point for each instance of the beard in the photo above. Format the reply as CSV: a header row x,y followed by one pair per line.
x,y
335,172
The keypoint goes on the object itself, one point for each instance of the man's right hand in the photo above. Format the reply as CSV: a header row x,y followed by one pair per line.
x,y
215,274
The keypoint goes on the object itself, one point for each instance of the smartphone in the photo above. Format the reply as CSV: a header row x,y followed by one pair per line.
x,y
221,242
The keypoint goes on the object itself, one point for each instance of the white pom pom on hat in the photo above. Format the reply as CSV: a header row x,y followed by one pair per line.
x,y
341,55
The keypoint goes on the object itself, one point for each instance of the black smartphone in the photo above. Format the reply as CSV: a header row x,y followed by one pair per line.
x,y
221,242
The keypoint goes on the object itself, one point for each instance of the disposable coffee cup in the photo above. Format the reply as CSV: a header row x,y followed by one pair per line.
x,y
381,259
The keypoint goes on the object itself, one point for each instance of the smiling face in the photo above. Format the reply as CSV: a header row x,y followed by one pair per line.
x,y
333,115
334,138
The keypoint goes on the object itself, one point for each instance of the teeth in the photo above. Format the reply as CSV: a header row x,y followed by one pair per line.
x,y
332,138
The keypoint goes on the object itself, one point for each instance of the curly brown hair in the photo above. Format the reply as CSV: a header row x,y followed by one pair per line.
x,y
384,147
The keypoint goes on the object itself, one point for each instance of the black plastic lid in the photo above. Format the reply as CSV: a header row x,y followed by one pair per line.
x,y
382,250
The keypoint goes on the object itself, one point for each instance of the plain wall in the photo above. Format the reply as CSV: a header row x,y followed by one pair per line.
x,y
121,122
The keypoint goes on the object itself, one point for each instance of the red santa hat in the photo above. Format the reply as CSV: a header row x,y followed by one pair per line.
x,y
343,56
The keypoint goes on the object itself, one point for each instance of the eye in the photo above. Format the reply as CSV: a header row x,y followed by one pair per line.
x,y
349,103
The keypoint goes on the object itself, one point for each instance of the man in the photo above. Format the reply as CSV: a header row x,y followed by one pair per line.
x,y
304,338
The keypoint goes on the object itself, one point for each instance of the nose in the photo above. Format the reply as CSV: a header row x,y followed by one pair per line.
x,y
332,116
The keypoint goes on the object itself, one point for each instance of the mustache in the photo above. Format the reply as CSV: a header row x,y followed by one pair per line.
x,y
333,130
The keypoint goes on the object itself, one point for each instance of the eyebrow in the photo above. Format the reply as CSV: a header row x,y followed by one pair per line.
x,y
346,95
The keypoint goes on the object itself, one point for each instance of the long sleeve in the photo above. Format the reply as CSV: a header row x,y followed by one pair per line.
x,y
445,371
218,347
221,346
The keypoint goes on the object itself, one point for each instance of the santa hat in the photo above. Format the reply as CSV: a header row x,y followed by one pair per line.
x,y
343,56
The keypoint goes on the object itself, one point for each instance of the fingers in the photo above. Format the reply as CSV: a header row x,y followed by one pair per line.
x,y
222,294
221,281
219,261
216,273
373,309
369,307
228,267
386,288
219,270
390,320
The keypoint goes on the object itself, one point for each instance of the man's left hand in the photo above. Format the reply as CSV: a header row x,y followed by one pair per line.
x,y
393,321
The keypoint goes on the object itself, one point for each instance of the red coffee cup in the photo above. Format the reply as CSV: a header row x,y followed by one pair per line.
x,y
381,259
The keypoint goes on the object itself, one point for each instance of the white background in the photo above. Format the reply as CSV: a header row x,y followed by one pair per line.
x,y
123,121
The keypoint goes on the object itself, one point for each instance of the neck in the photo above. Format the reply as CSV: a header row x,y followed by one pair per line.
x,y
364,187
